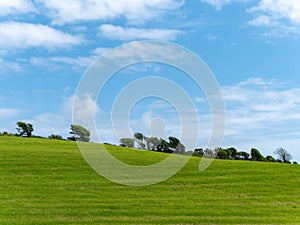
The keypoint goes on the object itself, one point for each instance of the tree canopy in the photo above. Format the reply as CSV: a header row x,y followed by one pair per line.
x,y
283,155
79,133
24,129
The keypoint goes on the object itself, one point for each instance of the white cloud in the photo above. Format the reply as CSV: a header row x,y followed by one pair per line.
x,y
257,108
263,21
220,3
24,35
134,11
8,7
7,67
279,9
57,62
282,17
8,113
126,34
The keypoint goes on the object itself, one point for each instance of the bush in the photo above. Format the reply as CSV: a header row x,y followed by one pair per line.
x,y
55,136
270,159
5,133
256,156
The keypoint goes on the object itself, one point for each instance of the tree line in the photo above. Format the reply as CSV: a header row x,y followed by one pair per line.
x,y
173,145
79,133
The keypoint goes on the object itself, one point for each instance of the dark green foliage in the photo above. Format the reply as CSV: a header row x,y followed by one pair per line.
x,y
198,152
6,133
270,159
295,163
140,140
176,145
222,153
79,133
242,155
256,155
231,152
208,153
152,143
55,136
24,129
164,146
127,142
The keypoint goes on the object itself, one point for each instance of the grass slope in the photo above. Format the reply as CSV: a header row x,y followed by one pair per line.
x,y
48,182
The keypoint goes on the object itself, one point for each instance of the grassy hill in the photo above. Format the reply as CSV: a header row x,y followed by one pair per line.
x,y
48,182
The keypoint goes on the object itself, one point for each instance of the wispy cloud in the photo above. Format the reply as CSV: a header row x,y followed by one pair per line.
x,y
58,62
220,3
257,107
9,7
126,34
282,17
25,35
134,11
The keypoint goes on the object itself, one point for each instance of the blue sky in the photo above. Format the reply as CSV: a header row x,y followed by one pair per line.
x,y
252,47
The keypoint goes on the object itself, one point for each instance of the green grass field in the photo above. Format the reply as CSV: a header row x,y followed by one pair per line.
x,y
48,182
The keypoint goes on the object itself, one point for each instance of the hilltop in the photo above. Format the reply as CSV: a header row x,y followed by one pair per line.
x,y
48,182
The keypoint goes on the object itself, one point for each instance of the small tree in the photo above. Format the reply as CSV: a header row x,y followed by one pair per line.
x,y
55,136
283,155
270,159
24,129
140,140
79,133
256,155
152,143
127,142
208,153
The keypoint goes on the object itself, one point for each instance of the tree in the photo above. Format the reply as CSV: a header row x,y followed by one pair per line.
x,y
24,129
256,156
55,136
127,142
152,143
208,153
270,158
164,146
199,152
231,152
283,155
79,133
140,140
242,155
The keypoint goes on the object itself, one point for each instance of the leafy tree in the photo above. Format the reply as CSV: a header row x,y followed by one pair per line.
x,y
180,148
222,153
127,142
140,140
270,159
173,142
152,143
256,155
55,136
242,155
24,129
176,145
231,152
208,153
199,152
164,146
79,133
283,155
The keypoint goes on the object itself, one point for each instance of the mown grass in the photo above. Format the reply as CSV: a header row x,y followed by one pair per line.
x,y
48,182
